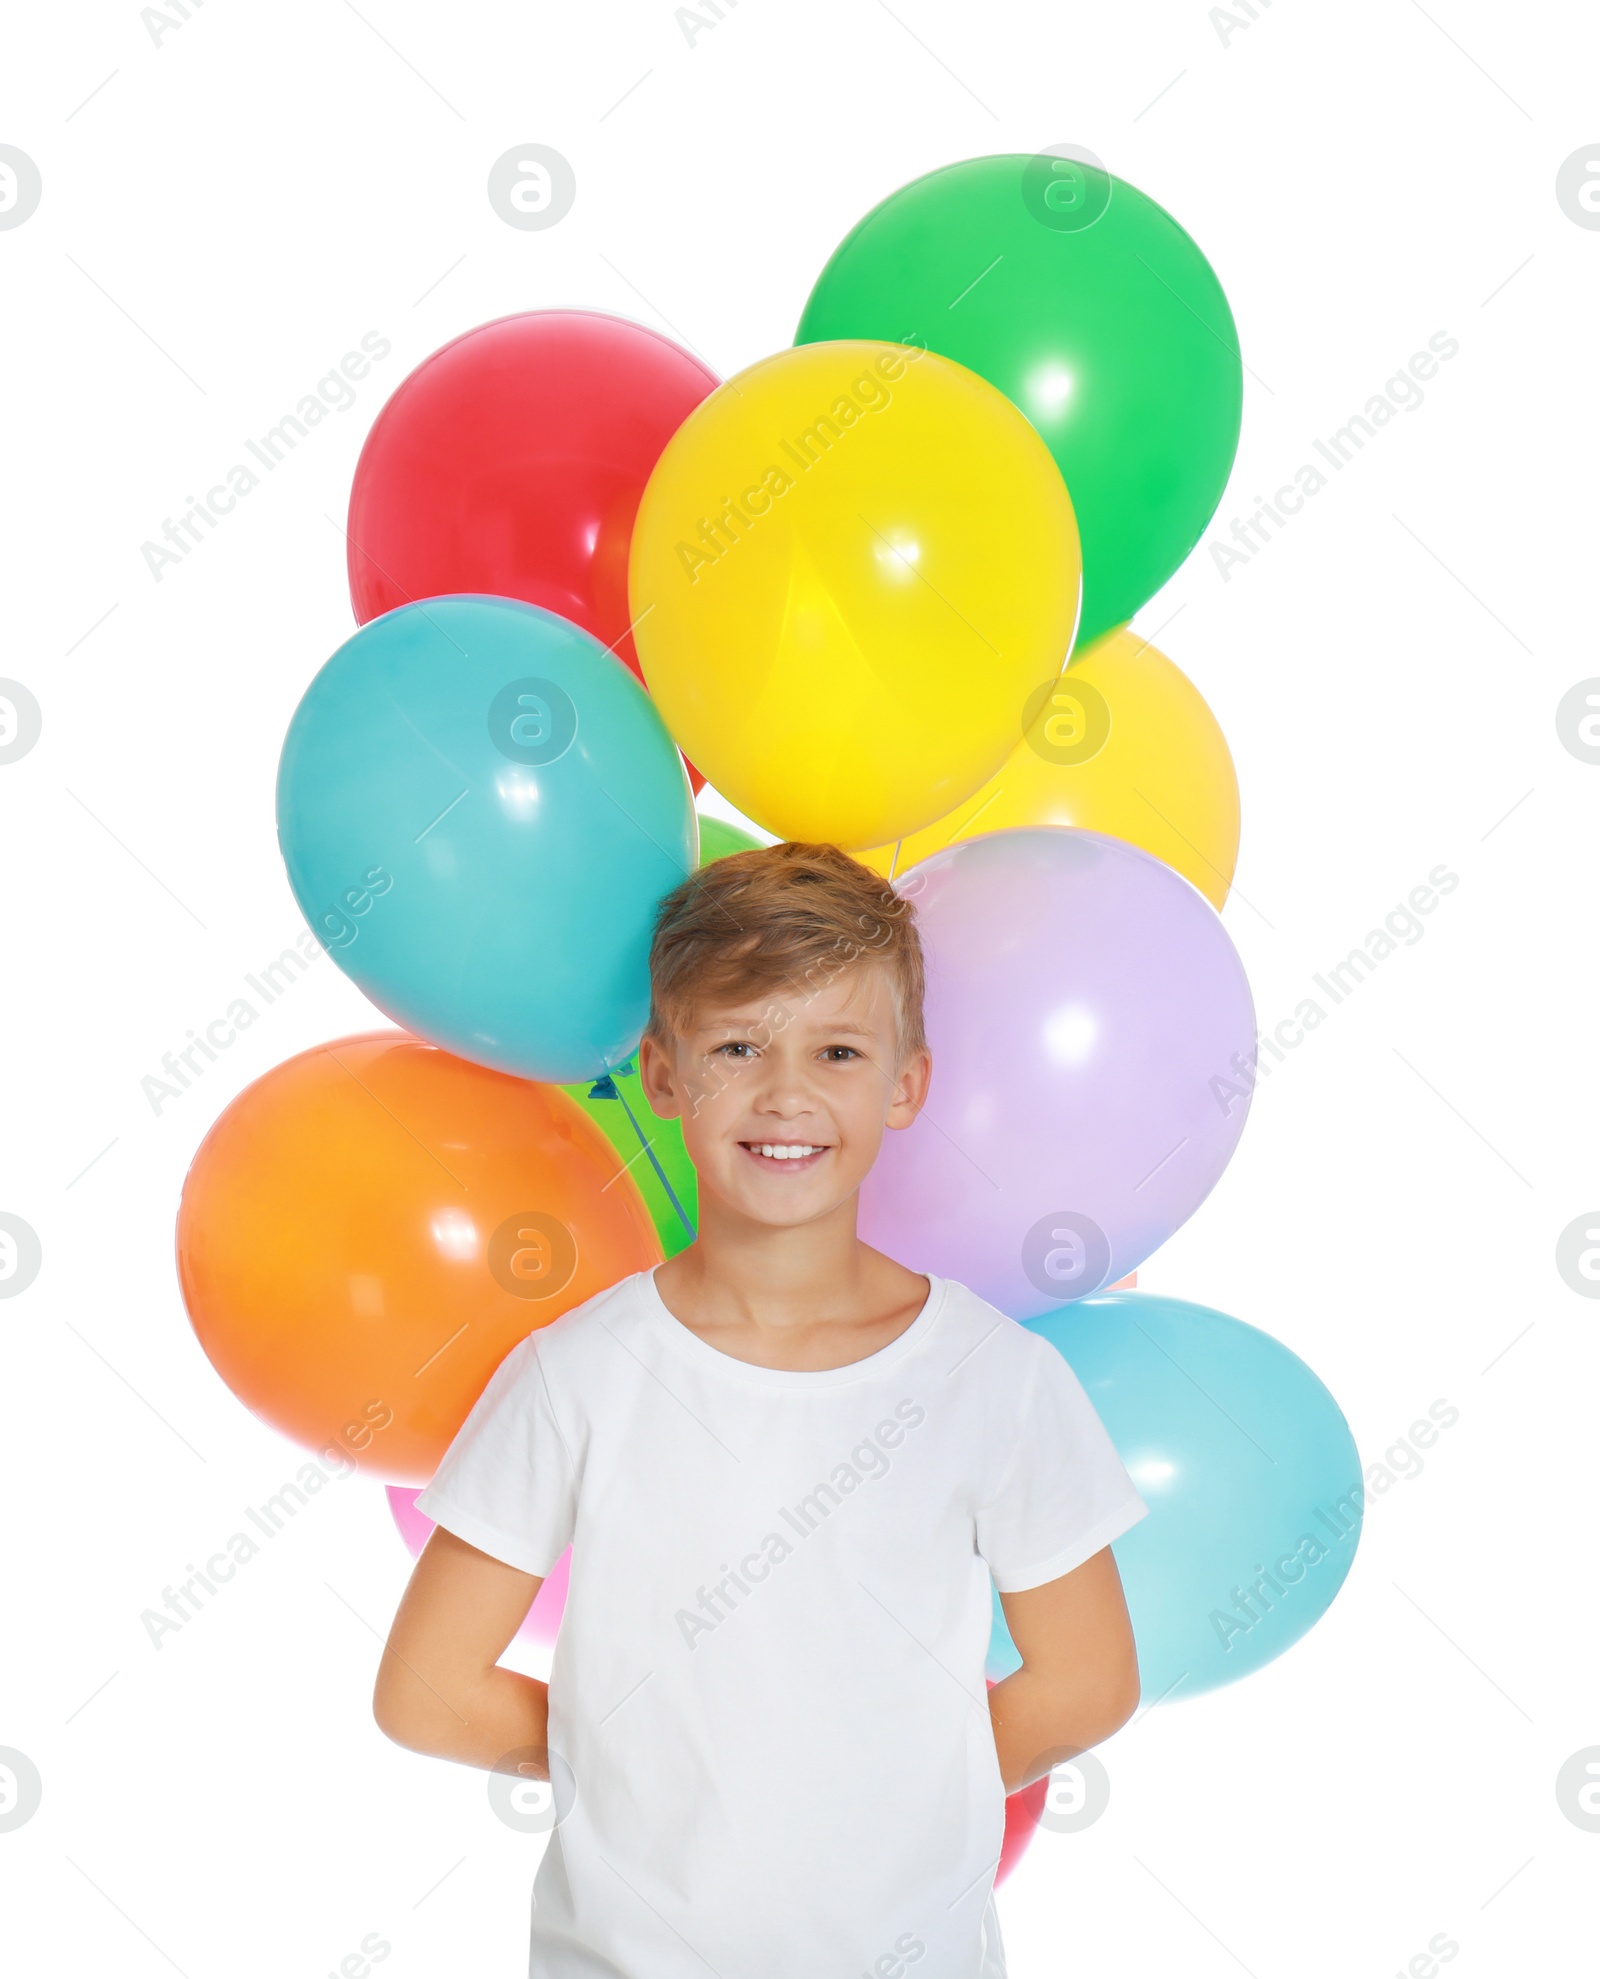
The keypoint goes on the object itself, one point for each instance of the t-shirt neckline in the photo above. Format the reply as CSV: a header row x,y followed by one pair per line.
x,y
690,1345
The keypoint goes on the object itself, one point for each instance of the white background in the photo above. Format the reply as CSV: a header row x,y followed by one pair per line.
x,y
222,219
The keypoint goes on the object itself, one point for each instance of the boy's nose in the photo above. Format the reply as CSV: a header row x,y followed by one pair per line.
x,y
787,1109
786,1097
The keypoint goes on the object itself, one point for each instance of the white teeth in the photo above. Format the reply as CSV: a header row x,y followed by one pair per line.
x,y
779,1151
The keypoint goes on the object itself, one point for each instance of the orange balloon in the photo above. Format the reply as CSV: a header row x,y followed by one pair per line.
x,y
370,1228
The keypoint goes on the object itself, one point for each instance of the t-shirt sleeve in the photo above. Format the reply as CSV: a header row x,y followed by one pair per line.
x,y
508,1484
1065,1492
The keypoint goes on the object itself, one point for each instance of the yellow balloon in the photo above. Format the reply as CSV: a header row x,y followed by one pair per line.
x,y
849,568
1121,743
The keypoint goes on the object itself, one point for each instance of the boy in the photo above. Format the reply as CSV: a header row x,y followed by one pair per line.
x,y
787,1466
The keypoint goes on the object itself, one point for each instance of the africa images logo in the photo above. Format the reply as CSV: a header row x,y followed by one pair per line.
x,y
734,519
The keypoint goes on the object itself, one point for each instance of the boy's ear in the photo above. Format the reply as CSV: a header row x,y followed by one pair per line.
x,y
910,1089
655,1078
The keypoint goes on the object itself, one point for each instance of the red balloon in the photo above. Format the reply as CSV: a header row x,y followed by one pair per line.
x,y
512,462
1023,1809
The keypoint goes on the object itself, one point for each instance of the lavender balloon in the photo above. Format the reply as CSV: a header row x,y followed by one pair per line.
x,y
1082,997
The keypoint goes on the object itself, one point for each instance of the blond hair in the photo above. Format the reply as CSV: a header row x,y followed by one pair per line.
x,y
784,920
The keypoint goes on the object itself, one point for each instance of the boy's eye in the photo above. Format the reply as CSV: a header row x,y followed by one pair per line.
x,y
737,1044
837,1052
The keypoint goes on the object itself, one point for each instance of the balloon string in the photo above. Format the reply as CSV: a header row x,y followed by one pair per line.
x,y
661,1176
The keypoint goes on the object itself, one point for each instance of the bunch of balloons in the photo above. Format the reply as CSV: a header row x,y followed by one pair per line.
x,y
877,589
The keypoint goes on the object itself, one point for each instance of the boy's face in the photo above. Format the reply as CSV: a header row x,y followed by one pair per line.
x,y
813,1075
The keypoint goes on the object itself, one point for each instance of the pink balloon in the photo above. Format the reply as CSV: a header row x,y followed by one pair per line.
x,y
543,1618
1089,1021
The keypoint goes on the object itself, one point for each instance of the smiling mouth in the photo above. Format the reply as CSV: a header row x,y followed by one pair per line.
x,y
786,1155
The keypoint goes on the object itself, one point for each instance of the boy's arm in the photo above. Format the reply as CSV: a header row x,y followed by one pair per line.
x,y
1080,1674
439,1689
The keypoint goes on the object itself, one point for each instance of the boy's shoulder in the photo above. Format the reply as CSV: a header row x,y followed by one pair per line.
x,y
612,1303
968,1323
564,1343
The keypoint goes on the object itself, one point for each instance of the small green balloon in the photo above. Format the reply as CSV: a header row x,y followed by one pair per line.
x,y
1095,313
718,839
653,1150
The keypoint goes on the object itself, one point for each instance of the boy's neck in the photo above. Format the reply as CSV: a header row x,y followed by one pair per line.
x,y
750,1279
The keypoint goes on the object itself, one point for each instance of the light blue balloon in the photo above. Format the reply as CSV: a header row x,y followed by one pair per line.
x,y
1250,1472
479,808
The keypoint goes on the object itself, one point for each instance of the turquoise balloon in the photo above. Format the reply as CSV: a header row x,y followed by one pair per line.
x,y
1250,1472
479,808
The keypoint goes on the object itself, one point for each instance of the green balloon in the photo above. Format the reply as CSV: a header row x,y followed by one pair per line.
x,y
653,1150
718,839
1094,312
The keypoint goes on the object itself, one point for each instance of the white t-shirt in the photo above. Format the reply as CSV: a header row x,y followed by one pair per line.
x,y
768,1683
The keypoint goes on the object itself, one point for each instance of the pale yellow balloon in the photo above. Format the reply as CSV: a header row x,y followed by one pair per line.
x,y
1121,743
